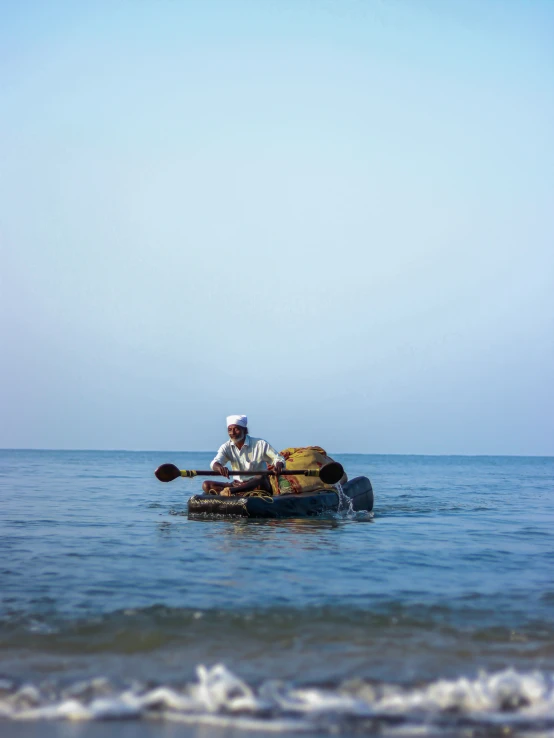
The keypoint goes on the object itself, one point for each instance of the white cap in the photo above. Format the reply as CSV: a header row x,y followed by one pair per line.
x,y
241,420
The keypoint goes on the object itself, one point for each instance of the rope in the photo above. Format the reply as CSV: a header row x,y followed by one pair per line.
x,y
227,492
259,493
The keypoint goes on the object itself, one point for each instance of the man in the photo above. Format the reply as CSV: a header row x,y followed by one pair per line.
x,y
244,453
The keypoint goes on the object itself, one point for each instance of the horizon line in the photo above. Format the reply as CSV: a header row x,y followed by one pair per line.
x,y
341,453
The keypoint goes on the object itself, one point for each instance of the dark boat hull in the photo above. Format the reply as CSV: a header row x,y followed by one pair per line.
x,y
358,491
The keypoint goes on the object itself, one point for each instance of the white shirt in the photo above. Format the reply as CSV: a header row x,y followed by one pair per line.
x,y
251,457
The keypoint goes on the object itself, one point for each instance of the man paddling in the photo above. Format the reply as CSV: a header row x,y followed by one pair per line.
x,y
244,453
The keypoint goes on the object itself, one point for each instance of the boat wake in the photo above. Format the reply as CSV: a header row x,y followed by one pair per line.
x,y
504,702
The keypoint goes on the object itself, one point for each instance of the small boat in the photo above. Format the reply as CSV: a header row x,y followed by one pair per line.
x,y
357,495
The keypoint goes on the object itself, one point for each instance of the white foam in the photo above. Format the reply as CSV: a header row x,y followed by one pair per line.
x,y
317,701
488,696
221,698
165,697
68,709
278,725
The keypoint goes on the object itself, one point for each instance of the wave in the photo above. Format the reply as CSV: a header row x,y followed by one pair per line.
x,y
508,701
148,628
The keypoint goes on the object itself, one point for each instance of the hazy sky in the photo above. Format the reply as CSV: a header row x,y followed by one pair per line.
x,y
335,216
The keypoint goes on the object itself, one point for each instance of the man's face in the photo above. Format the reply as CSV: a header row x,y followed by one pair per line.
x,y
236,433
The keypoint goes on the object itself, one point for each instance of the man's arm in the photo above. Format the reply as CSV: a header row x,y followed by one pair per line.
x,y
220,458
273,457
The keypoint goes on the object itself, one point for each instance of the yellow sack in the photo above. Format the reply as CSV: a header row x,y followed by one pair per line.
x,y
309,457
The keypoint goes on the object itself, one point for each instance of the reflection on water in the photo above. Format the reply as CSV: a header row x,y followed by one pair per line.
x,y
298,533
164,528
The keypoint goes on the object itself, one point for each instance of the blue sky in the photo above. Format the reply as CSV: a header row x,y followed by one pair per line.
x,y
335,217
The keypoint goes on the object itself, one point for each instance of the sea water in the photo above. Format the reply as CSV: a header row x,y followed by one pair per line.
x,y
434,616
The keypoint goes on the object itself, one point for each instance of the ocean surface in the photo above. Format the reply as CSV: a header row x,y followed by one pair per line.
x,y
433,616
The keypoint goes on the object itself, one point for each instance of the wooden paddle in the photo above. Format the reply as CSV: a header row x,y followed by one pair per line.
x,y
330,473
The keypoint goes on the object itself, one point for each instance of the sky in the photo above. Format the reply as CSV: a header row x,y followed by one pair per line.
x,y
334,216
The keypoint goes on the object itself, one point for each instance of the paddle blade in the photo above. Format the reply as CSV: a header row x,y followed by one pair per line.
x,y
331,473
167,472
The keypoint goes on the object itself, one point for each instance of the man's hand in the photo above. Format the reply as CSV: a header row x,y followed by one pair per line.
x,y
223,471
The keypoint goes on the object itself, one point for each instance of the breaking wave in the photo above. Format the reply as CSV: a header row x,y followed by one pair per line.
x,y
507,700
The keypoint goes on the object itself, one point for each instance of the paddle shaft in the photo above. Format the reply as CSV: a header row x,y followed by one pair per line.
x,y
329,473
263,473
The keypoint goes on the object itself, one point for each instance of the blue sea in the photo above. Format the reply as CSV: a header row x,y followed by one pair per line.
x,y
432,616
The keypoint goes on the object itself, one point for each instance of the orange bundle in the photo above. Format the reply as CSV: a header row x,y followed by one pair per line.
x,y
308,457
